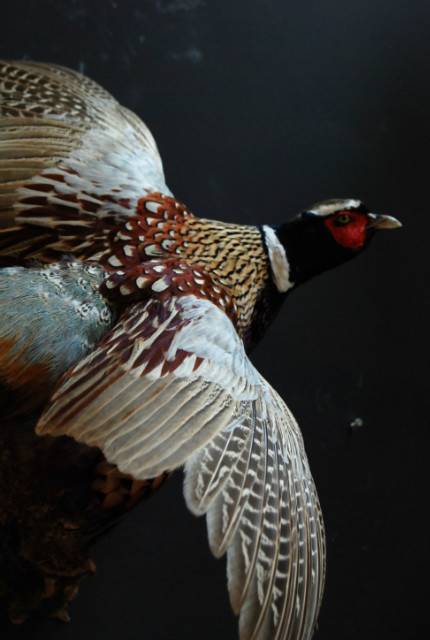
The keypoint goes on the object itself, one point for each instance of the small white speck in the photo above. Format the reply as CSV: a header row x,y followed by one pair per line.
x,y
114,262
129,250
159,285
125,290
122,236
141,282
166,244
153,250
152,206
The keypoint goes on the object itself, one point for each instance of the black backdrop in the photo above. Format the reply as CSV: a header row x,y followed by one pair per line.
x,y
260,108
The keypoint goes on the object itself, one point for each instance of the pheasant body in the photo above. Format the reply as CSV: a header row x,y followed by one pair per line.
x,y
125,325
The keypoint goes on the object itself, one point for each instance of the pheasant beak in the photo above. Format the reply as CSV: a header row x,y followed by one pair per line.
x,y
377,221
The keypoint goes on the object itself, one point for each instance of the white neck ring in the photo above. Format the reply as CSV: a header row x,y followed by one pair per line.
x,y
278,260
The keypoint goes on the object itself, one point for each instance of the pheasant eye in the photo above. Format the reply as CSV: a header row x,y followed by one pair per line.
x,y
343,219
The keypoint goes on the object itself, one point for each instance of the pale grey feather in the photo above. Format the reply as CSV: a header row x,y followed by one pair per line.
x,y
275,576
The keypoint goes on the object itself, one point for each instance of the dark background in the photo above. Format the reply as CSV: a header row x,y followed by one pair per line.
x,y
260,108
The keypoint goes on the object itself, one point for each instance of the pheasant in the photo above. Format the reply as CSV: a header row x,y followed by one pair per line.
x,y
125,328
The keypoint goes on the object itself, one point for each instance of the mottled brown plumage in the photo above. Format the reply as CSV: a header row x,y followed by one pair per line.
x,y
57,498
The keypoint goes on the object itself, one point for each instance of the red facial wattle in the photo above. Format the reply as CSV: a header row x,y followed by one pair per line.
x,y
351,235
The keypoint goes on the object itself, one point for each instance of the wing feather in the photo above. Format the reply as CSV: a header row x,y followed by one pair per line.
x,y
67,150
131,394
229,450
158,393
276,550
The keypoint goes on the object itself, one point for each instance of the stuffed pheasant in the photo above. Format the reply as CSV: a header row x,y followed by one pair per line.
x,y
125,323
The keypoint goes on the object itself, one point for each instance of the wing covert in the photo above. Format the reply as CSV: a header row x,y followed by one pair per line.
x,y
171,385
69,153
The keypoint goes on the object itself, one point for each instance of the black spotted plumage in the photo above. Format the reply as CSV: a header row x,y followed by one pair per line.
x,y
140,315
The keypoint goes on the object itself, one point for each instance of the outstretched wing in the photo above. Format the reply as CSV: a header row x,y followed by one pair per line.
x,y
71,158
171,385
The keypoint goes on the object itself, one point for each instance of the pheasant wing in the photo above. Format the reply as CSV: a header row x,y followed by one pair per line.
x,y
171,385
71,158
